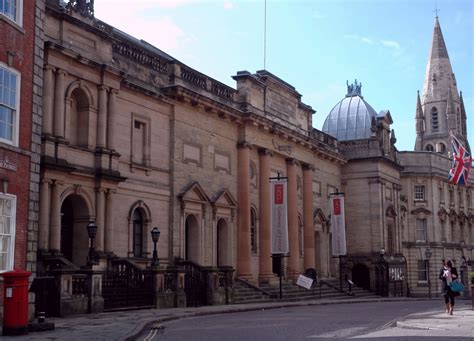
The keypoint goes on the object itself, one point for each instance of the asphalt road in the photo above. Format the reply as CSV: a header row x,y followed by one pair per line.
x,y
362,321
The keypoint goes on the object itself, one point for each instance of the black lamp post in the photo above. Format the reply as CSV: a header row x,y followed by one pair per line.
x,y
428,256
382,272
155,235
91,231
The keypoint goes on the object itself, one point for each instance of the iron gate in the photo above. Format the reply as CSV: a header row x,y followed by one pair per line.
x,y
195,284
125,286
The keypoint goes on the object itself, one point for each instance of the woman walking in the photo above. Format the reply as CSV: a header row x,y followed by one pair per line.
x,y
447,274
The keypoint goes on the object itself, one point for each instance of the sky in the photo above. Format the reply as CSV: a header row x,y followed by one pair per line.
x,y
316,46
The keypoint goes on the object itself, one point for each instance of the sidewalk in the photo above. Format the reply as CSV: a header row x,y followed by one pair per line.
x,y
127,325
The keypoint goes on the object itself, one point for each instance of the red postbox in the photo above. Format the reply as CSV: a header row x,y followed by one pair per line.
x,y
15,306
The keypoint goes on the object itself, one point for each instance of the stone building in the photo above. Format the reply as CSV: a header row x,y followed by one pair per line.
x,y
21,63
134,139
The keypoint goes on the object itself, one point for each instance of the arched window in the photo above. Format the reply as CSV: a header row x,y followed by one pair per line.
x,y
434,119
137,233
253,230
441,148
79,118
429,148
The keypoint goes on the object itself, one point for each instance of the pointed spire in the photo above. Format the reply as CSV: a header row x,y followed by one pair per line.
x,y
463,109
438,47
419,117
451,112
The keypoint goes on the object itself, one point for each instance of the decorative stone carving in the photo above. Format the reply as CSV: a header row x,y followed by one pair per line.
x,y
83,7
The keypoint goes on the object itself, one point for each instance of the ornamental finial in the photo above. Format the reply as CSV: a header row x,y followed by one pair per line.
x,y
354,89
83,7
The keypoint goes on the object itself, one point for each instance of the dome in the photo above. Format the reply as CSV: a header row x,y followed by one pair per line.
x,y
351,118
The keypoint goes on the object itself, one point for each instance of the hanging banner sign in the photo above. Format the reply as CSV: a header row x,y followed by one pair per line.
x,y
338,225
279,219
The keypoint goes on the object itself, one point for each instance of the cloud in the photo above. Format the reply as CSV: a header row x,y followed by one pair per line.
x,y
390,44
365,40
228,5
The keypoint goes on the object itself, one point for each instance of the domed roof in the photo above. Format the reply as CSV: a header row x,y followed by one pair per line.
x,y
351,118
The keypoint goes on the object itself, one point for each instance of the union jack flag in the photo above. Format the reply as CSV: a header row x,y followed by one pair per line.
x,y
461,164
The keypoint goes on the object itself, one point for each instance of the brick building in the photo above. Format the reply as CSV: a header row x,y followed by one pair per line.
x,y
20,131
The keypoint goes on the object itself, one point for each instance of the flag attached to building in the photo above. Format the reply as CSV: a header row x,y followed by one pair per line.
x,y
338,225
461,164
279,221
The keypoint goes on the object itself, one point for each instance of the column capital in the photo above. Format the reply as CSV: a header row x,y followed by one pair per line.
x,y
111,191
244,144
102,87
58,182
100,189
113,91
61,72
292,161
49,67
46,181
265,151
308,167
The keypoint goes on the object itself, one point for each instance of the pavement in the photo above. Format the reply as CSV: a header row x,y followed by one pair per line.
x,y
129,325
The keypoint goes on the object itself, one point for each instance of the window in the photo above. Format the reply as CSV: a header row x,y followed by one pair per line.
x,y
441,148
137,234
9,93
7,231
429,148
422,270
421,230
141,140
253,230
12,9
434,119
419,193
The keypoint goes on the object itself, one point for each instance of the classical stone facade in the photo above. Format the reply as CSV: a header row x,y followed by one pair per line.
x,y
134,139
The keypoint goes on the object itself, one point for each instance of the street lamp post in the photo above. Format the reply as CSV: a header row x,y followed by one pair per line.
x,y
91,231
428,256
155,235
382,272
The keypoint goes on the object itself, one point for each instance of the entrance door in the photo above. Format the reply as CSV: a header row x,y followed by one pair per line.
x,y
361,276
222,243
192,239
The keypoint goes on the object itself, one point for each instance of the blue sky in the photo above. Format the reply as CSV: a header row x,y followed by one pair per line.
x,y
314,45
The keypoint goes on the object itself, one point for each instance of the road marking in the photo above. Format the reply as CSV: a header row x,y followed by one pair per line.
x,y
151,335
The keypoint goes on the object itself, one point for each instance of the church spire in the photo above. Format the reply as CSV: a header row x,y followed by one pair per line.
x,y
440,103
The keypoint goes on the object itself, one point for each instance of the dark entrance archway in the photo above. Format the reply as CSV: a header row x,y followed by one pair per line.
x,y
361,276
192,239
74,239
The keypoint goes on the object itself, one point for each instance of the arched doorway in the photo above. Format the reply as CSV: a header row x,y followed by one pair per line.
x,y
74,238
222,243
192,239
361,276
317,253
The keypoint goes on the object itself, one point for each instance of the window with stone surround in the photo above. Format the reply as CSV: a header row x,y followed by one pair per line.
x,y
141,140
137,233
12,9
419,193
316,188
7,231
420,230
192,153
422,270
9,104
253,230
222,162
434,119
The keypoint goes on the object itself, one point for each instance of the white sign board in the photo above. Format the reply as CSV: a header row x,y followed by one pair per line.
x,y
279,218
338,225
304,282
9,293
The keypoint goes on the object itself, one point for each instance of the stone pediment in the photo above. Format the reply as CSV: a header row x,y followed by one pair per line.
x,y
224,198
420,210
319,216
194,192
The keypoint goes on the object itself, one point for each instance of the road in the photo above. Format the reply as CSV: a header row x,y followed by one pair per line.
x,y
362,321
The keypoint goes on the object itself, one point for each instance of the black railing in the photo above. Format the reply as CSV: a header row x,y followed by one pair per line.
x,y
127,286
195,284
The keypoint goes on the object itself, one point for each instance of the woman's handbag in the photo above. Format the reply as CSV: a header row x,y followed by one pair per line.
x,y
456,286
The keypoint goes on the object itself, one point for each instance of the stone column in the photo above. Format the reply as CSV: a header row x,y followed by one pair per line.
x,y
44,215
309,252
109,221
264,205
48,100
294,254
100,218
243,227
102,117
55,216
59,104
111,119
